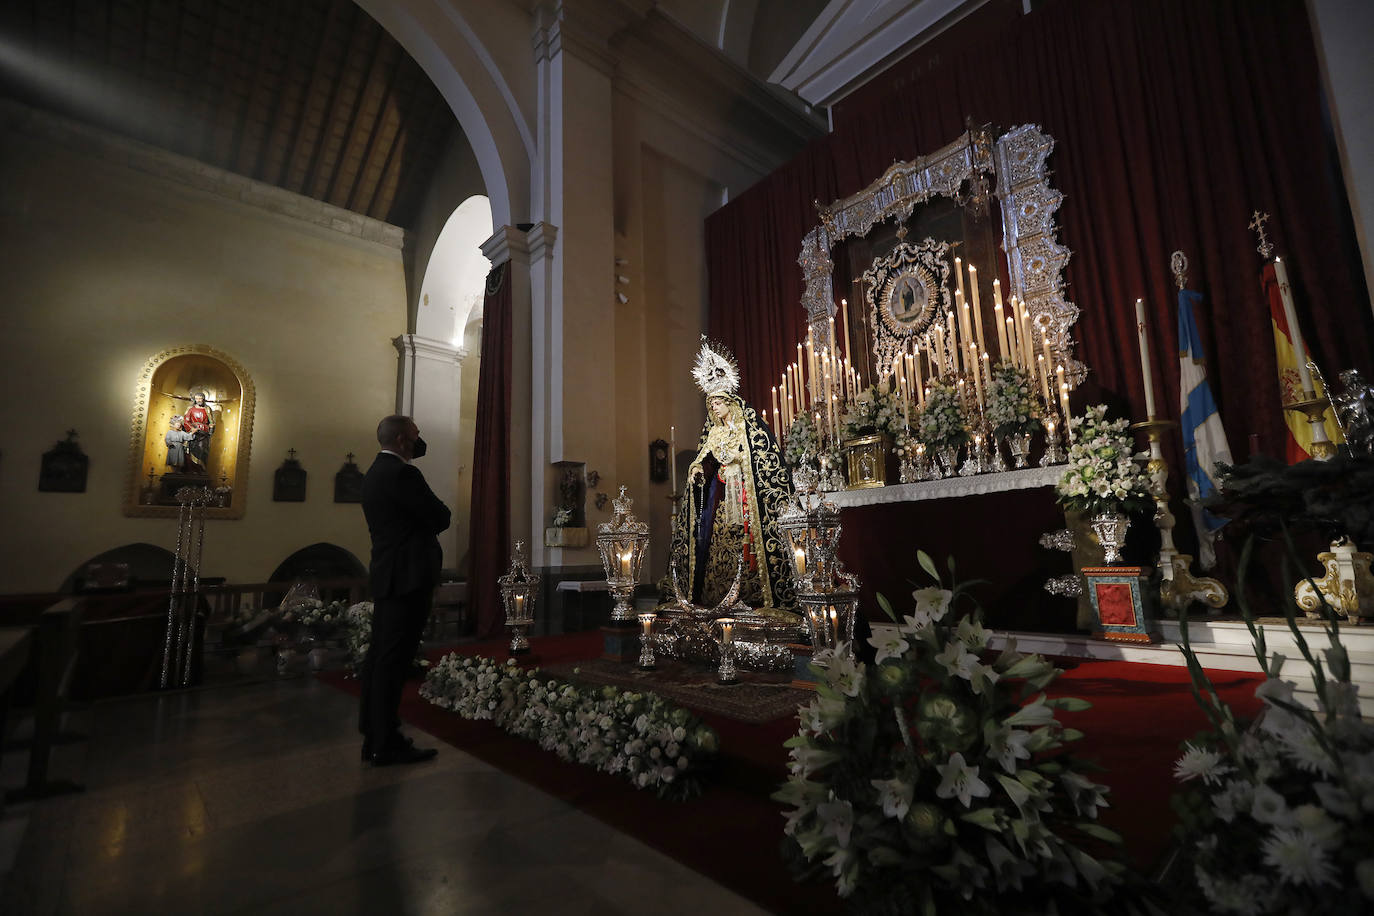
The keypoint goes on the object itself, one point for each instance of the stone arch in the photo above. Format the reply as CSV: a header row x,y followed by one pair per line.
x,y
320,561
455,277
480,63
148,565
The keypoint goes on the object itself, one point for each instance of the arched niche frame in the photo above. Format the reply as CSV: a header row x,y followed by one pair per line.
x,y
1029,237
164,389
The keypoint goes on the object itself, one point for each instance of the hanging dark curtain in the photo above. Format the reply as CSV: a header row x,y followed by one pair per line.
x,y
1173,121
489,526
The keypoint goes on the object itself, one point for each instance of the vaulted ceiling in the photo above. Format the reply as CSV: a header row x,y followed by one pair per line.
x,y
308,95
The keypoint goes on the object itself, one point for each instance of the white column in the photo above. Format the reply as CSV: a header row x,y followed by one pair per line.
x,y
430,391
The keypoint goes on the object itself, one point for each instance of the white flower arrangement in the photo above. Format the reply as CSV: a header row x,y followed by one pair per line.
x,y
926,783
650,742
1102,475
563,517
803,449
941,421
1277,816
875,409
1011,406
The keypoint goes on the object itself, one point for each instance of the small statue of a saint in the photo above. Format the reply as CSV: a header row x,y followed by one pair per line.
x,y
177,438
199,421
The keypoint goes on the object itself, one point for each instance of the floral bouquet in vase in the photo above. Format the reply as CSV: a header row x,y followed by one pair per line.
x,y
1103,480
876,409
940,425
1011,409
937,780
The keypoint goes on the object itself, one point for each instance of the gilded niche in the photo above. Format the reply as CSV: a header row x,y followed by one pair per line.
x,y
192,427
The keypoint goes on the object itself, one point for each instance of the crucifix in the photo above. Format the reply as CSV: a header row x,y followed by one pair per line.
x,y
349,456
291,454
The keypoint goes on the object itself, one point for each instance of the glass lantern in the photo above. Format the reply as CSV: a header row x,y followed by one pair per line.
x,y
812,528
830,617
622,542
519,591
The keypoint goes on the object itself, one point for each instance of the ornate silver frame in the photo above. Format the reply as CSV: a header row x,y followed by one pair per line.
x,y
926,264
1035,258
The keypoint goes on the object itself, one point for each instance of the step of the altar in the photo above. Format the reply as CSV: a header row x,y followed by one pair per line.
x,y
1222,646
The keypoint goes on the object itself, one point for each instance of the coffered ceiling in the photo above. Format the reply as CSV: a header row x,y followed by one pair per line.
x,y
308,95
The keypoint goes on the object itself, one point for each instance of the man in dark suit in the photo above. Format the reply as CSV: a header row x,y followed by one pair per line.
x,y
404,518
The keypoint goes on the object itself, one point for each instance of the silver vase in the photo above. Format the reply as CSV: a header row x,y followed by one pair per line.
x,y
948,458
1110,528
1020,444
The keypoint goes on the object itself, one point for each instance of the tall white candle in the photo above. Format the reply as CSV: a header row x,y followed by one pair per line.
x,y
1294,332
977,307
1141,329
1003,350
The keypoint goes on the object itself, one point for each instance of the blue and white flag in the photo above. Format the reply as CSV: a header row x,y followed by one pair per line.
x,y
1204,441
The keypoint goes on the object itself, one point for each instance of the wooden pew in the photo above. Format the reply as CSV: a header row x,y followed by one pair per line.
x,y
55,651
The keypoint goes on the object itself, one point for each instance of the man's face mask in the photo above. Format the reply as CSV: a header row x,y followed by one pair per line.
x,y
419,448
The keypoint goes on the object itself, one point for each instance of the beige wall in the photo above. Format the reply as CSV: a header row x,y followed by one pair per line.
x,y
105,266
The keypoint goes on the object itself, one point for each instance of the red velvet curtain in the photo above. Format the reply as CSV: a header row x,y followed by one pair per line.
x,y
1173,121
489,526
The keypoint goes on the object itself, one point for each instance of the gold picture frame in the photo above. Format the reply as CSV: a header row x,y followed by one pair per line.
x,y
166,387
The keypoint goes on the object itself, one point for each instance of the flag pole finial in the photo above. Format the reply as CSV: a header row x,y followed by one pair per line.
x,y
1178,263
1257,221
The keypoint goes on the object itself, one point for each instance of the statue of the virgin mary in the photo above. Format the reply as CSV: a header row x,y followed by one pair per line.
x,y
737,486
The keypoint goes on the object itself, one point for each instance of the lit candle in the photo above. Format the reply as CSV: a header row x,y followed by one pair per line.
x,y
799,381
519,607
1003,348
672,456
834,626
1043,370
959,277
810,394
727,630
965,333
1012,343
977,307
647,620
987,372
625,564
775,405
844,320
830,344
799,560
1024,332
953,341
1290,314
1140,330
977,375
1045,353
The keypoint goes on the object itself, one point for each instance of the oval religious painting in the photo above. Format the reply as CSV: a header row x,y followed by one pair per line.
x,y
908,299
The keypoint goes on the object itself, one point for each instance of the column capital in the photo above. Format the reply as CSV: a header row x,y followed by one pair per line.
x,y
510,243
417,347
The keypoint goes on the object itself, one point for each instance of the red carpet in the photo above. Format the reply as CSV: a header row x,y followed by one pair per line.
x,y
732,832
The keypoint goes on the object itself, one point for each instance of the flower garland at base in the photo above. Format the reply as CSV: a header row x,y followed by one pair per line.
x,y
1278,818
640,736
927,784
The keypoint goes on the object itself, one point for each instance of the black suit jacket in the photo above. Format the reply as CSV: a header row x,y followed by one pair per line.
x,y
403,517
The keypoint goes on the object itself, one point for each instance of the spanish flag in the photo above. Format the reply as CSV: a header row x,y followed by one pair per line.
x,y
1299,446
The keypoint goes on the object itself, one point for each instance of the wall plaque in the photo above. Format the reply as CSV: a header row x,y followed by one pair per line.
x,y
288,484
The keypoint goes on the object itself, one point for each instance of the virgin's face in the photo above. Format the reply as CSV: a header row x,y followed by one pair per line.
x,y
720,407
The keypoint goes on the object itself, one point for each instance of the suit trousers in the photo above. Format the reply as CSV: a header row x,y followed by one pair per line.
x,y
397,625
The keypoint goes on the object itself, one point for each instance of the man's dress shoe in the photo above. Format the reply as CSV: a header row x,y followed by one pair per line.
x,y
403,753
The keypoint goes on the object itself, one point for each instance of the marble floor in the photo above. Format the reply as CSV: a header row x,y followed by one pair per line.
x,y
252,800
